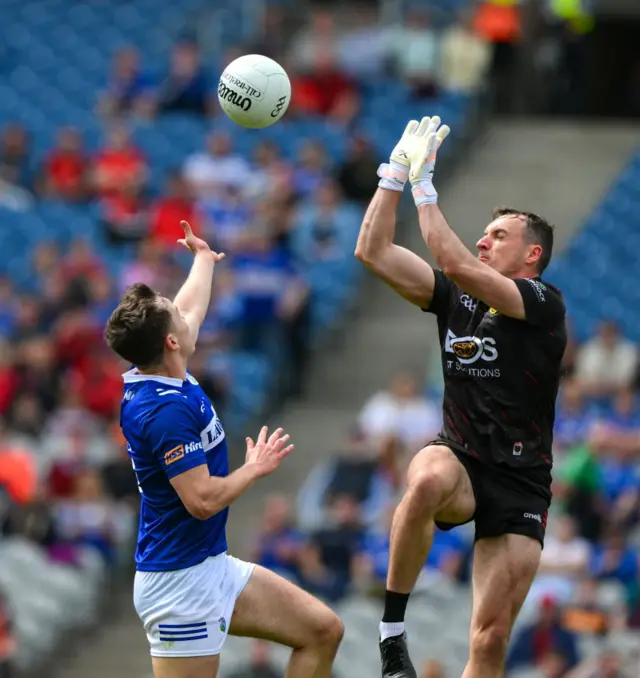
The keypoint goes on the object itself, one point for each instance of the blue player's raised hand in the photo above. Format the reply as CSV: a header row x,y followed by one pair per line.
x,y
195,244
267,453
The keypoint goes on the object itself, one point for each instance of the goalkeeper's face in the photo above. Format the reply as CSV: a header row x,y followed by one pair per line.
x,y
504,245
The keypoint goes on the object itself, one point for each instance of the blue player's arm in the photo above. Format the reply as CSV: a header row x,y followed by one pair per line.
x,y
174,436
204,495
195,294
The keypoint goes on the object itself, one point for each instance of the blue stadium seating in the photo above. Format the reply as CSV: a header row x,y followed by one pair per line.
x,y
598,271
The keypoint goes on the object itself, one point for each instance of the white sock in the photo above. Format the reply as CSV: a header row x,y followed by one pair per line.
x,y
390,629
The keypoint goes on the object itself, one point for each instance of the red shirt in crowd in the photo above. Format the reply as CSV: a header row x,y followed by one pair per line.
x,y
65,172
317,94
166,215
118,167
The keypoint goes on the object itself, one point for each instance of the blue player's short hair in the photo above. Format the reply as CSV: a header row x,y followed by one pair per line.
x,y
138,327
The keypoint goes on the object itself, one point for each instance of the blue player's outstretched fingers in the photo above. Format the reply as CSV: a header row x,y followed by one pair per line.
x,y
285,451
281,442
274,436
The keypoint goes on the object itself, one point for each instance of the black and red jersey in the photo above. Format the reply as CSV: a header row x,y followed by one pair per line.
x,y
501,375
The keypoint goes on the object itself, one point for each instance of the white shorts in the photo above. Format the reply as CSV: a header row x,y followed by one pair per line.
x,y
186,613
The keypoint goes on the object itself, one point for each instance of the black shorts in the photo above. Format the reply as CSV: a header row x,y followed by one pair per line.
x,y
508,501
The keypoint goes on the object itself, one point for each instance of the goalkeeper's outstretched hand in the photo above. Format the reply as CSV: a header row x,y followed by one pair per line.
x,y
426,141
414,158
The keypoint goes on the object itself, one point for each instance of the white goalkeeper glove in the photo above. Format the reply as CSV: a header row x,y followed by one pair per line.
x,y
426,140
414,158
394,174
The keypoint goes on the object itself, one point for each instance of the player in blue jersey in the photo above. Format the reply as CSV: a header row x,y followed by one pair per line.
x,y
188,592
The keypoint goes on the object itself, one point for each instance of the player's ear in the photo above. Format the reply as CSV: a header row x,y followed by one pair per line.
x,y
172,342
535,252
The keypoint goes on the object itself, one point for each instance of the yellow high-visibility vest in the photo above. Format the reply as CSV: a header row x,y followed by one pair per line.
x,y
574,13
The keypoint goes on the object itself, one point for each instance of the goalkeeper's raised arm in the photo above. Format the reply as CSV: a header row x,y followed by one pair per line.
x,y
408,274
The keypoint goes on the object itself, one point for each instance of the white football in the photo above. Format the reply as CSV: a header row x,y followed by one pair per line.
x,y
254,91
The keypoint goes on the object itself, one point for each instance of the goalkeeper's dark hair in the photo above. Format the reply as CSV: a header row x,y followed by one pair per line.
x,y
539,232
138,327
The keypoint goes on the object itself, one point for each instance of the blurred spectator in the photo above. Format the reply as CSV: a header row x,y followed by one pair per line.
x,y
103,299
357,469
325,91
552,665
212,382
38,373
8,377
217,166
432,669
278,543
607,665
570,353
401,412
166,213
186,88
531,644
269,289
129,89
272,174
326,228
445,561
363,49
328,559
607,362
7,306
145,268
15,156
118,477
86,519
226,218
18,469
311,169
564,561
65,168
500,25
81,265
260,666
416,49
273,34
615,559
465,57
574,418
318,33
586,615
579,475
8,643
119,174
357,175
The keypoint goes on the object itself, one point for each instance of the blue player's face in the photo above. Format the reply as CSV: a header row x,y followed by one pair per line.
x,y
181,332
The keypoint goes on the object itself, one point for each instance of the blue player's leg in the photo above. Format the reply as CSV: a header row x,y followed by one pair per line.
x,y
185,667
274,609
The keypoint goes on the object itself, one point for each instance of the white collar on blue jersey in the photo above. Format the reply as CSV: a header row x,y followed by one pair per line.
x,y
133,376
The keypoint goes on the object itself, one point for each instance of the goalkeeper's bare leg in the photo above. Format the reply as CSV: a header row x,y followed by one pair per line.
x,y
438,490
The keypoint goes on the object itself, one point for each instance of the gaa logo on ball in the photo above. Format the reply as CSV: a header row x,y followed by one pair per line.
x,y
254,91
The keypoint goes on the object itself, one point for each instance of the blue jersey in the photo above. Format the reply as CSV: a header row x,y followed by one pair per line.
x,y
171,427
